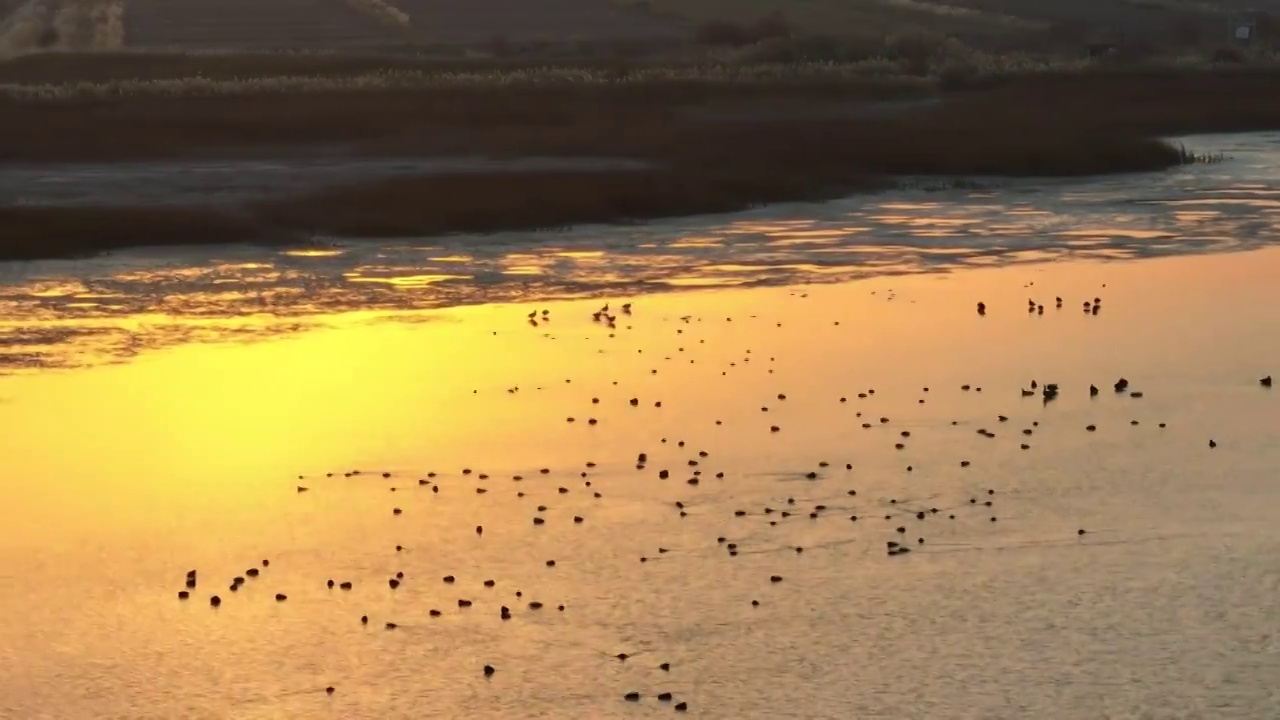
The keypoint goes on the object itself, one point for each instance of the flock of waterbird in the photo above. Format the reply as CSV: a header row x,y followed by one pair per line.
x,y
898,544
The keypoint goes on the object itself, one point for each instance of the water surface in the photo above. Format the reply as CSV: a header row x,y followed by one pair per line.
x,y
119,478
161,410
57,313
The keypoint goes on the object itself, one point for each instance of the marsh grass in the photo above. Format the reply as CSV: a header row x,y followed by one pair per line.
x,y
1008,125
42,232
765,55
406,206
715,168
750,135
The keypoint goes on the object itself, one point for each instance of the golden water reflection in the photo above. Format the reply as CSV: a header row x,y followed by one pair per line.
x,y
67,314
119,478
203,424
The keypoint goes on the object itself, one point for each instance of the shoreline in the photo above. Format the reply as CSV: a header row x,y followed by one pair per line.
x,y
1162,511
706,148
1253,264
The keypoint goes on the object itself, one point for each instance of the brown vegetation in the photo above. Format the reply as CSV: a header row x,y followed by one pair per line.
x,y
1127,102
697,167
727,32
985,126
709,147
107,66
408,206
43,232
654,121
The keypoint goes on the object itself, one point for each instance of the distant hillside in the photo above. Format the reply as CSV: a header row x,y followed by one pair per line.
x,y
252,24
976,20
349,24
311,24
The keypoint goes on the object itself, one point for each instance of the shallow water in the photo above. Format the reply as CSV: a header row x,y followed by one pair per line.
x,y
125,465
112,307
120,478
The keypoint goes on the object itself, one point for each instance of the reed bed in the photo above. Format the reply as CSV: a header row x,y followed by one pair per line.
x,y
713,137
400,80
655,121
45,232
703,169
805,61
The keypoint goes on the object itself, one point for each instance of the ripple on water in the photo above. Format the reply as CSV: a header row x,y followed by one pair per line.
x,y
1206,208
118,481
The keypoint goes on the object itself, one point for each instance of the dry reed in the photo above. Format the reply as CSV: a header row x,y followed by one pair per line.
x,y
710,146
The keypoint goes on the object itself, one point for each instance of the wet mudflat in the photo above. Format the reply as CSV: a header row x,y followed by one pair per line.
x,y
697,497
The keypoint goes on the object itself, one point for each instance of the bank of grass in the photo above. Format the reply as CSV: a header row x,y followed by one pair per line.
x,y
727,54
37,232
745,165
965,131
752,135
410,206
